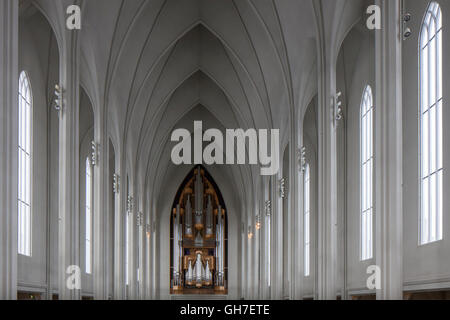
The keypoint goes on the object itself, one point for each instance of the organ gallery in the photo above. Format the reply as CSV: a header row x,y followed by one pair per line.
x,y
198,237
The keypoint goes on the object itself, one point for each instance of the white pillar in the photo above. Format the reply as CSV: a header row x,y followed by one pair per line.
x,y
298,247
141,250
119,231
132,247
101,196
9,79
296,217
69,178
327,168
147,254
255,248
277,240
388,151
287,217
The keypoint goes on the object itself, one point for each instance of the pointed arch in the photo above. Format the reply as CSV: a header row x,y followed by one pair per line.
x,y
198,237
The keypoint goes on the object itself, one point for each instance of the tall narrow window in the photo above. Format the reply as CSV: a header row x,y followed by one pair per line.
x,y
366,178
126,247
306,219
127,214
24,149
431,147
88,216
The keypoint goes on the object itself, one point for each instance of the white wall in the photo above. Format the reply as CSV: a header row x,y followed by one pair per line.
x,y
38,56
356,70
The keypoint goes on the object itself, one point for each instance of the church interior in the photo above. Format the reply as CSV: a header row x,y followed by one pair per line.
x,y
92,206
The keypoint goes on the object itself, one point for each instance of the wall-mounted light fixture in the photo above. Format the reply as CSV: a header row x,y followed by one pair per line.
x,y
336,109
283,189
139,219
94,155
58,98
268,208
116,183
250,233
129,205
302,159
148,230
406,30
258,222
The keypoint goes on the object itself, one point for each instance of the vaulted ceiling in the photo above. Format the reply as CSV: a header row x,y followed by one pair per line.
x,y
232,63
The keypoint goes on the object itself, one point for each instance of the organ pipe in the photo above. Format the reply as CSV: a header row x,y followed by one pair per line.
x,y
198,237
209,218
198,201
188,218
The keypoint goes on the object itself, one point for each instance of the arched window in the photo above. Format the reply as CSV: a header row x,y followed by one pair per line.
x,y
366,177
88,217
431,148
306,219
25,152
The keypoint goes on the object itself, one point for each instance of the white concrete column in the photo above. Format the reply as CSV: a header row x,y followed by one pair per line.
x,y
263,241
153,261
277,240
119,230
141,249
256,247
295,217
9,78
388,151
249,253
298,239
327,211
286,216
100,218
69,178
327,166
132,247
147,253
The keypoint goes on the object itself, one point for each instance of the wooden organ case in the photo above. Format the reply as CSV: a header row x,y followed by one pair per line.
x,y
199,237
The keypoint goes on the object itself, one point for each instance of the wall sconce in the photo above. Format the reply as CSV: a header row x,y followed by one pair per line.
x,y
336,109
58,102
148,230
129,204
94,155
139,219
283,188
250,233
258,222
406,30
268,208
116,183
302,159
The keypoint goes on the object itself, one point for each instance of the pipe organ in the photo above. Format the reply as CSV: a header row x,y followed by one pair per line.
x,y
198,237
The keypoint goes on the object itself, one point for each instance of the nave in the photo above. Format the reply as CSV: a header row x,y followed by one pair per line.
x,y
92,207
